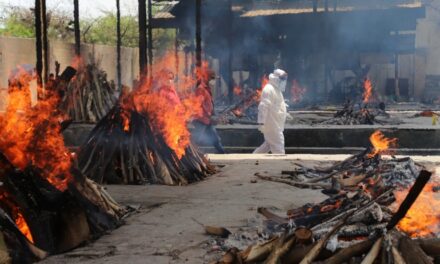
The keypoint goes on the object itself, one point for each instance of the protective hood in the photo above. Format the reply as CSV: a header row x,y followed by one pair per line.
x,y
278,79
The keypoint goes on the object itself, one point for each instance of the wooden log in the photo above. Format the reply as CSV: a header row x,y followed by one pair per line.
x,y
397,257
303,236
282,246
431,246
271,216
297,253
217,231
345,254
314,252
259,252
351,181
374,252
230,257
412,253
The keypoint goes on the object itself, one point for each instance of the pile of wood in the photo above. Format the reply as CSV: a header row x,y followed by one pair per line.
x,y
46,205
355,227
356,114
89,96
122,149
356,224
357,170
37,219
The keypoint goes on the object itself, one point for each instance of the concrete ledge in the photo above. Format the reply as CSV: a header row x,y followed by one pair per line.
x,y
325,140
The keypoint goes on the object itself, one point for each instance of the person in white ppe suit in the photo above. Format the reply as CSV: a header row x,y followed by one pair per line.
x,y
272,113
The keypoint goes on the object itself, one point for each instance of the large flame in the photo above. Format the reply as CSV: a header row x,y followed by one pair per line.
x,y
380,143
170,102
30,135
423,219
368,91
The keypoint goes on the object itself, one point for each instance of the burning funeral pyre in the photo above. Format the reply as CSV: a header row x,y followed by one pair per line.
x,y
362,113
145,138
46,205
379,211
245,111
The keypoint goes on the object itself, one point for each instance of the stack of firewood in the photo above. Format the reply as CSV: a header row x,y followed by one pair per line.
x,y
46,205
357,224
37,219
90,95
123,149
356,227
352,114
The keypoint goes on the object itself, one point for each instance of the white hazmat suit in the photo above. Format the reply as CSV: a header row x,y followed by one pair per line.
x,y
272,113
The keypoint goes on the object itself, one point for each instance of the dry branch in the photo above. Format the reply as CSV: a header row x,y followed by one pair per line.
x,y
374,252
412,253
345,254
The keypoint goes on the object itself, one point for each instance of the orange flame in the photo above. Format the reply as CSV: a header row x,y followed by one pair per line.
x,y
297,92
331,207
380,143
170,104
77,62
23,226
368,90
251,99
30,135
423,219
237,90
125,115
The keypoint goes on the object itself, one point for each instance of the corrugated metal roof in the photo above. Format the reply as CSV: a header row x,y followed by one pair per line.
x,y
306,6
271,8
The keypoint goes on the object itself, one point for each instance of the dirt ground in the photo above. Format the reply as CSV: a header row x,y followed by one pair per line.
x,y
163,231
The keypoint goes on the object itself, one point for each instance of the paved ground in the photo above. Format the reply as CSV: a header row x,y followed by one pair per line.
x,y
164,232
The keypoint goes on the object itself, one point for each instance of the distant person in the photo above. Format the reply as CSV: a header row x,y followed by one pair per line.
x,y
272,113
204,129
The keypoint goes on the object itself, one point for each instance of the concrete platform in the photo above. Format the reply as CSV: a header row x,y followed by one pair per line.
x,y
422,139
163,231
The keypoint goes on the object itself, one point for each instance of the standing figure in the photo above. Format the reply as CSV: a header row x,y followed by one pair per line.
x,y
272,113
204,129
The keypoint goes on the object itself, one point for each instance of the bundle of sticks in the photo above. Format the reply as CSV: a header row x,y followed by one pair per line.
x,y
123,149
89,96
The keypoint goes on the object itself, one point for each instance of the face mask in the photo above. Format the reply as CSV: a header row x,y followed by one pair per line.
x,y
282,85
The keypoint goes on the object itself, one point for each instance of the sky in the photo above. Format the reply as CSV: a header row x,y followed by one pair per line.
x,y
88,8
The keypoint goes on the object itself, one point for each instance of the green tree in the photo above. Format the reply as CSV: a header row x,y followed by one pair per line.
x,y
19,22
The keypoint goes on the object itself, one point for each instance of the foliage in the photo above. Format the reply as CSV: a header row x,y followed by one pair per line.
x,y
19,22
